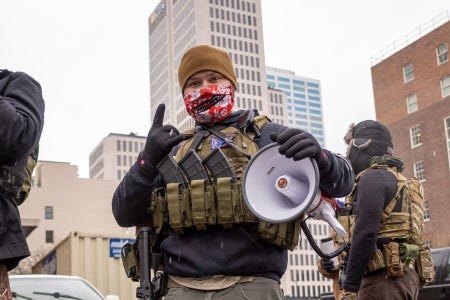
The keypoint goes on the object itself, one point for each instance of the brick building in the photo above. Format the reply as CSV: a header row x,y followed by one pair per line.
x,y
412,97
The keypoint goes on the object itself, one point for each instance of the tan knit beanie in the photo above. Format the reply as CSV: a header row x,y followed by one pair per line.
x,y
205,58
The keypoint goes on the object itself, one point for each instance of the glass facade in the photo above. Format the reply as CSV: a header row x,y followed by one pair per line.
x,y
304,103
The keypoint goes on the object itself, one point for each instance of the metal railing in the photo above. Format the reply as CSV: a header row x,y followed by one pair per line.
x,y
410,37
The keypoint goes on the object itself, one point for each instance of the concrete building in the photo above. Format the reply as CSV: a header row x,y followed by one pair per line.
x,y
59,204
304,100
411,89
114,155
234,25
277,105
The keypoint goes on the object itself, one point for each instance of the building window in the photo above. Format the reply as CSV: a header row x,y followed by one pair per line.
x,y
411,103
408,72
118,145
445,86
426,210
49,212
447,135
119,161
49,236
442,53
415,134
419,170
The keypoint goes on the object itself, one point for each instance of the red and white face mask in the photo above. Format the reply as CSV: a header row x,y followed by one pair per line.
x,y
210,104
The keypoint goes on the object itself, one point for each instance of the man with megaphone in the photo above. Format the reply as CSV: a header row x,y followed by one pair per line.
x,y
189,186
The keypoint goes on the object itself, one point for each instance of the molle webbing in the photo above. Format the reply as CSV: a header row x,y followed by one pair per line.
x,y
219,201
405,226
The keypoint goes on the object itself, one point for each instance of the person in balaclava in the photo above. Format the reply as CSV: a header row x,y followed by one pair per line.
x,y
370,150
207,253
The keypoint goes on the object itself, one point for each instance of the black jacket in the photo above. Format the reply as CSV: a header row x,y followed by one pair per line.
x,y
217,251
376,188
21,123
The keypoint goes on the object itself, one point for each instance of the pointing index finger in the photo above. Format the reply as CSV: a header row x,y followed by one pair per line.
x,y
159,115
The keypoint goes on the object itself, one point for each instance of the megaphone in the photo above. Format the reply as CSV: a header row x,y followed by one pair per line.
x,y
278,189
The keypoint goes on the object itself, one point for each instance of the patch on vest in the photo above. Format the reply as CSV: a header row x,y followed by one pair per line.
x,y
217,143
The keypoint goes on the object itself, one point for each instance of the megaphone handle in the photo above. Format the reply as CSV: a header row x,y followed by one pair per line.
x,y
317,248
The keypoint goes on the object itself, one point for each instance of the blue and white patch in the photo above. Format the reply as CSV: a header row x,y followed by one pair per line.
x,y
217,143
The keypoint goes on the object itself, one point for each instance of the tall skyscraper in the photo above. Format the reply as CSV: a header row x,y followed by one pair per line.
x,y
304,100
234,25
412,97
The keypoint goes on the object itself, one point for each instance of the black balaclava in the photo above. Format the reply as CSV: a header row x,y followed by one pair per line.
x,y
365,140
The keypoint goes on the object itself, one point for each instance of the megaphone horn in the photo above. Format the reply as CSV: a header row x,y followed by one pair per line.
x,y
278,189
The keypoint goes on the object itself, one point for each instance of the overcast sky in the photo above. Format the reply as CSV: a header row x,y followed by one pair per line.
x,y
91,58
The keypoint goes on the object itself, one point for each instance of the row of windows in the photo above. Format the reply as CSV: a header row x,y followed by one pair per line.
x,y
238,4
287,91
96,154
247,74
415,134
294,81
246,60
249,89
96,168
248,103
275,98
229,43
441,57
231,16
275,110
236,31
126,160
308,275
127,146
308,292
302,109
412,102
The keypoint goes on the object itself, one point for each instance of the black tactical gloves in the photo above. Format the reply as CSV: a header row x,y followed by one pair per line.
x,y
300,144
160,141
328,265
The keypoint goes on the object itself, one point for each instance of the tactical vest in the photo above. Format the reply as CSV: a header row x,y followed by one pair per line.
x,y
221,202
15,180
405,228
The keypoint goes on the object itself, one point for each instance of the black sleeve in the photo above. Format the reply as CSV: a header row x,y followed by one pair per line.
x,y
375,189
21,114
336,182
132,197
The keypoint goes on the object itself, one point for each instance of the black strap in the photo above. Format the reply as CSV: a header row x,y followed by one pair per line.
x,y
198,138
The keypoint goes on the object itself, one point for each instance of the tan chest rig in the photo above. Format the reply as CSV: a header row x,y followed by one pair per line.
x,y
220,202
404,228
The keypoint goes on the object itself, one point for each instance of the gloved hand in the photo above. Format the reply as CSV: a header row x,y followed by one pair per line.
x,y
328,265
300,144
160,141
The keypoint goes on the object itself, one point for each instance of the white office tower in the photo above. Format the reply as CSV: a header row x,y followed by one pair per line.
x,y
304,100
114,155
277,106
234,25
